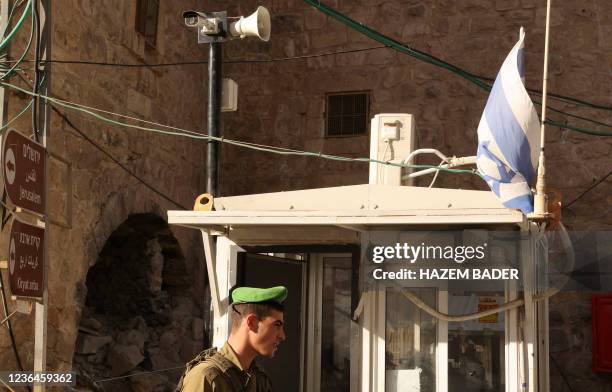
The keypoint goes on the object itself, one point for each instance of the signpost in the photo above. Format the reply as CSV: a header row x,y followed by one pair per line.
x,y
26,260
24,171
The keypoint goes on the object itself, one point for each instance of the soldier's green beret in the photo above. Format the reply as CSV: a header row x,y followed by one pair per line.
x,y
244,295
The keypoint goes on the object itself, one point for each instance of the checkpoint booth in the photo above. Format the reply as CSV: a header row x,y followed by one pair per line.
x,y
347,330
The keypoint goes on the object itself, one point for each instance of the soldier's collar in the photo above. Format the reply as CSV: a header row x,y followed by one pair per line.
x,y
228,352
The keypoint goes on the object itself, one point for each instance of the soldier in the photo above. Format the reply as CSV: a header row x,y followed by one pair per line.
x,y
257,329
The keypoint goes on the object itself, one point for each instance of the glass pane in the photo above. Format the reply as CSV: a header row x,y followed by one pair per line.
x,y
410,337
475,347
336,321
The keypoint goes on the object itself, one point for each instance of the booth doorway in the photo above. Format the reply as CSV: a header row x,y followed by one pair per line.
x,y
256,270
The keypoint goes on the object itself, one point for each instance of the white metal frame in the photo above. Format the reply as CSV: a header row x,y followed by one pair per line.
x,y
225,266
511,355
314,321
313,342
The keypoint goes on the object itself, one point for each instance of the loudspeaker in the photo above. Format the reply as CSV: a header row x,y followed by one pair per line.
x,y
257,24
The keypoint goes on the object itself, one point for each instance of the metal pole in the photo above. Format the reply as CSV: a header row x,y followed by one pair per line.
x,y
540,199
41,308
214,117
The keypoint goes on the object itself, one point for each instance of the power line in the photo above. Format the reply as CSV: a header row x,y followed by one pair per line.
x,y
139,374
222,139
588,189
115,160
558,97
200,62
400,47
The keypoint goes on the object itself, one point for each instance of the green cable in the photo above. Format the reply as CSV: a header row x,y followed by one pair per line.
x,y
577,129
271,149
371,33
375,35
9,122
10,17
25,52
20,22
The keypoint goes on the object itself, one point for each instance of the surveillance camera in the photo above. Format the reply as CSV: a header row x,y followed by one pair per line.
x,y
209,25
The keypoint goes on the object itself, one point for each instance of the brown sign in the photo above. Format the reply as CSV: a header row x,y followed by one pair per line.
x,y
24,171
26,260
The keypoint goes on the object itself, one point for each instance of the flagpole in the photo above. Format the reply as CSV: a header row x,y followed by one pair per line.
x,y
541,199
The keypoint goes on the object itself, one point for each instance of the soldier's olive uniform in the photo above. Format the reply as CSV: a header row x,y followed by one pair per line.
x,y
222,372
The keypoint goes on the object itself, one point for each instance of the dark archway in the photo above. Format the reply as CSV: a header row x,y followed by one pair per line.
x,y
138,315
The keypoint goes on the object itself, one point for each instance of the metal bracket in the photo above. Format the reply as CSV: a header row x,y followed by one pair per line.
x,y
221,16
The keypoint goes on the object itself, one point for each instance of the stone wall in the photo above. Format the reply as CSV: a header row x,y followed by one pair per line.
x,y
104,195
282,103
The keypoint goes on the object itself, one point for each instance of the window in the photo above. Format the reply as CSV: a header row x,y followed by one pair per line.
x,y
146,20
347,114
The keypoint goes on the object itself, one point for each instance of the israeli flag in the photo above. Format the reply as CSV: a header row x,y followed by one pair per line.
x,y
508,137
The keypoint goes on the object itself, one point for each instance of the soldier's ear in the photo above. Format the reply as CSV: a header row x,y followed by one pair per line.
x,y
252,322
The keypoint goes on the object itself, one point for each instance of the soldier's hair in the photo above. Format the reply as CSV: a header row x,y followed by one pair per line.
x,y
261,310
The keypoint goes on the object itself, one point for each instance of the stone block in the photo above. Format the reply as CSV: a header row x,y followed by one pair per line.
x,y
89,344
133,337
314,20
328,38
505,5
92,323
197,329
168,340
189,348
138,103
123,358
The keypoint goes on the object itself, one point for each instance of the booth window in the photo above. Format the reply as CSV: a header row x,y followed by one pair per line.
x,y
147,12
347,114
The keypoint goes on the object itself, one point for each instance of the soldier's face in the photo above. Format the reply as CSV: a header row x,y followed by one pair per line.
x,y
270,333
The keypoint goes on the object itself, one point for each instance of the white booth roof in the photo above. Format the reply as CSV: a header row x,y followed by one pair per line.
x,y
356,207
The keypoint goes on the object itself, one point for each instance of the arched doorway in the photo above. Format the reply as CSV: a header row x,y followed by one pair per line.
x,y
139,316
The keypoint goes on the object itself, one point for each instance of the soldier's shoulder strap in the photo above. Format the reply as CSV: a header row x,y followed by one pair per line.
x,y
224,366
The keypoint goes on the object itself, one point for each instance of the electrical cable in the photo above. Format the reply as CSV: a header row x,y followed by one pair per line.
x,y
554,361
553,109
200,62
375,35
116,161
577,129
425,57
195,135
139,374
590,188
36,22
558,97
9,122
25,52
17,27
5,41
